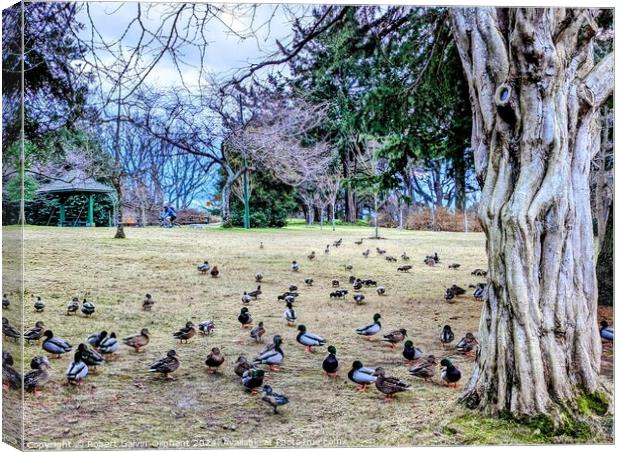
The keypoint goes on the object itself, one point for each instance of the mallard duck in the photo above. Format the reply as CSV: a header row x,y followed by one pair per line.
x,y
38,376
404,268
358,284
245,319
338,242
450,373
88,308
39,305
258,277
335,283
252,379
77,370
185,333
359,242
424,368
215,272
348,267
358,297
148,302
5,301
245,298
362,376
380,251
295,266
55,345
95,339
371,329
391,259
607,332
309,340
109,345
91,357
204,267
272,354
366,253
73,306
215,359
404,256
479,272
11,379
290,315
380,290
137,341
292,288
395,337
454,266
255,293
389,385
242,365
206,327
308,281
467,345
257,332
273,399
312,255
330,363
446,336
411,353
261,245
326,249
9,330
166,365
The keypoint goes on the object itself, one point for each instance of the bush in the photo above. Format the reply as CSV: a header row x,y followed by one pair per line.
x,y
422,220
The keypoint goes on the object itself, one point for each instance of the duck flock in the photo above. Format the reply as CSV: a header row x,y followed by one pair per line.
x,y
101,347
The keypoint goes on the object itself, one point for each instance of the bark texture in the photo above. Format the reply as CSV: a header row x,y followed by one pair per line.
x,y
535,94
605,263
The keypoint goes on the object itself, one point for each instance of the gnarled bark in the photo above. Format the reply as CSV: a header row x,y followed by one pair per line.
x,y
535,96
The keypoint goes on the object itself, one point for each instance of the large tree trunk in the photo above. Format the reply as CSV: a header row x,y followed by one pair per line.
x,y
534,98
605,263
459,180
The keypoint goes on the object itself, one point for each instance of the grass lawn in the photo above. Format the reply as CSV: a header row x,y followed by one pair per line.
x,y
126,404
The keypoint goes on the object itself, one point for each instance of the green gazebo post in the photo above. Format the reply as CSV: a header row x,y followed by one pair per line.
x,y
61,212
91,210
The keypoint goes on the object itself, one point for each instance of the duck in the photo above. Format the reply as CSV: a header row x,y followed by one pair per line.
x,y
381,290
335,283
109,345
35,333
359,242
607,332
309,340
380,251
308,281
261,246
95,339
215,359
204,267
11,378
77,370
358,297
245,319
137,341
467,344
404,256
450,373
257,332
424,368
338,242
330,363
88,308
292,288
215,272
245,298
348,267
404,268
5,301
411,353
255,293
272,354
389,386
38,377
311,256
55,345
206,327
258,277
362,376
395,337
148,302
9,330
371,329
252,379
185,333
39,305
357,284
90,357
73,306
454,266
479,291
326,250
166,365
446,336
391,259
273,399
295,266
290,315
242,365
366,253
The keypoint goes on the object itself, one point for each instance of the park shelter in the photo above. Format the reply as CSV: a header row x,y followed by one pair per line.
x,y
75,184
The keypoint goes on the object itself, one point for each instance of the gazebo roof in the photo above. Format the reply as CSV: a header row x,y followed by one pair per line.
x,y
74,182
